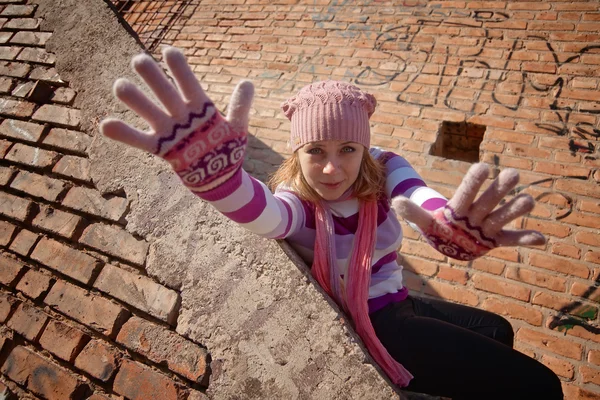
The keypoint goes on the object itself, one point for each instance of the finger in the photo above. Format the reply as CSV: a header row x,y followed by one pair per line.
x,y
520,238
137,101
520,205
411,212
120,131
239,105
156,79
184,77
501,186
466,192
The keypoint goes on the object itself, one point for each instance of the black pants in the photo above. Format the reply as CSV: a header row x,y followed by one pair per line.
x,y
461,352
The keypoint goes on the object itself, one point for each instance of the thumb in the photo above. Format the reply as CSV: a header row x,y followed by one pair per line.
x,y
239,105
412,212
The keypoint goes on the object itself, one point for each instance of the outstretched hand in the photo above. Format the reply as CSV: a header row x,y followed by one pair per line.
x,y
204,148
467,228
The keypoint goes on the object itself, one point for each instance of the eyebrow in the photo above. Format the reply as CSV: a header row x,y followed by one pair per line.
x,y
315,144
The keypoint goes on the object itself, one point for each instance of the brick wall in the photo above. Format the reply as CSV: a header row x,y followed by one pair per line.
x,y
79,317
524,74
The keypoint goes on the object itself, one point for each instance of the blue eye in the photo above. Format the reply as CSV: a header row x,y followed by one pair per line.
x,y
348,149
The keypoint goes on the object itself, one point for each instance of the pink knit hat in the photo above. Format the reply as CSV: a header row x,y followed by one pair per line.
x,y
329,110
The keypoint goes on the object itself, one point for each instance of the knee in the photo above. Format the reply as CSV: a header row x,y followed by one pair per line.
x,y
504,332
549,386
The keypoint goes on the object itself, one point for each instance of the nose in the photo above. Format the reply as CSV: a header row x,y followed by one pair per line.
x,y
331,167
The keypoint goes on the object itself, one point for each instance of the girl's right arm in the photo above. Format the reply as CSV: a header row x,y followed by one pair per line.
x,y
205,149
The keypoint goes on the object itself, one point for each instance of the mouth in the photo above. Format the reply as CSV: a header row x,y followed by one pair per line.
x,y
331,185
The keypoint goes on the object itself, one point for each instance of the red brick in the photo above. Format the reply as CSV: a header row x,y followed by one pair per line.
x,y
100,396
560,367
6,174
63,341
566,250
592,256
14,108
63,96
21,130
164,347
38,185
93,311
73,167
560,303
537,278
115,241
140,292
579,332
9,270
6,232
138,382
23,24
28,321
421,249
487,265
9,52
589,374
547,228
36,55
56,221
59,115
24,242
34,284
64,259
98,359
18,11
510,136
5,37
559,264
453,274
32,156
31,38
91,202
6,304
551,343
451,292
6,85
506,253
594,357
494,285
68,140
41,376
513,310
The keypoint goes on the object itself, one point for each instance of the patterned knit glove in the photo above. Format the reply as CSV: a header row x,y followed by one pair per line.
x,y
466,229
204,148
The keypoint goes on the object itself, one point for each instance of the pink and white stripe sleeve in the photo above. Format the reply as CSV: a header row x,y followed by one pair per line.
x,y
403,180
249,202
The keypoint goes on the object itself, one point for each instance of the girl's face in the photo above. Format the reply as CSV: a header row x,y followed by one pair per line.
x,y
331,166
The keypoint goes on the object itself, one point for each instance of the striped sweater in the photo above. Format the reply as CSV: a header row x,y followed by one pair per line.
x,y
284,215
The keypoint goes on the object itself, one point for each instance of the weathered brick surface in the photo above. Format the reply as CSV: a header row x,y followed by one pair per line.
x,y
34,284
31,38
40,375
68,139
38,185
63,341
93,311
135,381
15,108
32,156
164,347
21,130
24,242
91,202
63,96
14,207
59,115
140,292
18,11
28,321
115,241
66,117
98,359
9,270
6,305
66,260
6,232
36,55
22,24
56,221
73,167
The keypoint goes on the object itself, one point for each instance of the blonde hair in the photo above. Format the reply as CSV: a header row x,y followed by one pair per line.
x,y
368,186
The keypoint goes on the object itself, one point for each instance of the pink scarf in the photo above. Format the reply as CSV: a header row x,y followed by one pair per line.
x,y
353,292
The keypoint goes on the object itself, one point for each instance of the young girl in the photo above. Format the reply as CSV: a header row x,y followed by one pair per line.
x,y
335,202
